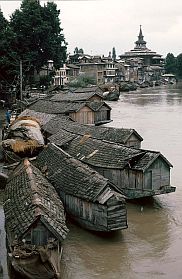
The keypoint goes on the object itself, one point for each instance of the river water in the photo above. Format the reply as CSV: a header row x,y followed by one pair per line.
x,y
151,247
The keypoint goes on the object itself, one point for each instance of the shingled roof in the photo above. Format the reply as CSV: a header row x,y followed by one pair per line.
x,y
95,152
89,89
28,197
118,135
71,176
51,107
73,97
147,159
100,153
41,116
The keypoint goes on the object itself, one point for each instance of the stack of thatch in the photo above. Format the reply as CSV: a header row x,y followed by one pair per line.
x,y
24,137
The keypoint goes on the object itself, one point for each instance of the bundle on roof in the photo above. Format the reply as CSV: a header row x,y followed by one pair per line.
x,y
24,137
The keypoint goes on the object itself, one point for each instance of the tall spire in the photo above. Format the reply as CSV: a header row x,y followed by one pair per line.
x,y
140,43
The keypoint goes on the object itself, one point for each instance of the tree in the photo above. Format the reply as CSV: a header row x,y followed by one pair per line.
x,y
113,54
170,64
39,36
179,65
8,69
78,51
82,81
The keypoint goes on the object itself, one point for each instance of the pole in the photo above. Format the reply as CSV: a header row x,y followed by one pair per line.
x,y
21,93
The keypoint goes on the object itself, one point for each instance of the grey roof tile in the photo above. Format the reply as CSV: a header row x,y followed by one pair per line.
x,y
118,135
50,107
71,176
28,191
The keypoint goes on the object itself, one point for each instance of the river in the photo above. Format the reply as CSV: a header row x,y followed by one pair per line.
x,y
151,247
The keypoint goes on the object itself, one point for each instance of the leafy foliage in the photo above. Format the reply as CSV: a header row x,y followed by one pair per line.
x,y
78,51
34,36
179,65
7,66
170,64
82,81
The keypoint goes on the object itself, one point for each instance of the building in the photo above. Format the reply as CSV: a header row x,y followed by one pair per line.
x,y
35,224
152,65
89,198
137,172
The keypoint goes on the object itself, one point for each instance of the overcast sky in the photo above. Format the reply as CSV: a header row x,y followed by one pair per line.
x,y
98,26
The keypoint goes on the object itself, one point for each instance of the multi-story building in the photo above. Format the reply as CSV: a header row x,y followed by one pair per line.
x,y
145,63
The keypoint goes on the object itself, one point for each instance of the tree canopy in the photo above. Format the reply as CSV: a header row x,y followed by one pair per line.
x,y
36,37
179,65
170,64
78,51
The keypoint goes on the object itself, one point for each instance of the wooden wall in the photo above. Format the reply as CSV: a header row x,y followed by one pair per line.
x,y
90,215
94,216
84,116
117,214
155,177
95,98
38,234
102,115
133,141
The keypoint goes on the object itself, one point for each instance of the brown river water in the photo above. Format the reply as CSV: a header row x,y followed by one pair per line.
x,y
151,247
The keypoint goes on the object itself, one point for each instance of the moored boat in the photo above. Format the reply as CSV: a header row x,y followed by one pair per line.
x,y
35,224
88,197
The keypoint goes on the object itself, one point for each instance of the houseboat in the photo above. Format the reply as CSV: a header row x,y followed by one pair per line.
x,y
35,224
90,199
137,172
84,108
51,124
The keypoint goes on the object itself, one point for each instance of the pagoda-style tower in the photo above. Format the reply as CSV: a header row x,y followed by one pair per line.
x,y
147,63
140,43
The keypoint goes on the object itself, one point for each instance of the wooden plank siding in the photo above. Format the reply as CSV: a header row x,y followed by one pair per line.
x,y
92,214
95,98
154,178
116,214
84,116
157,175
102,115
133,141
97,217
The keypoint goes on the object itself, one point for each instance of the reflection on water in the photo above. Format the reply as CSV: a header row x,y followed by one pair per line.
x,y
151,247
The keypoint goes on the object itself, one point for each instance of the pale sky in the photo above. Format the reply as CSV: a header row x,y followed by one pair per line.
x,y
98,26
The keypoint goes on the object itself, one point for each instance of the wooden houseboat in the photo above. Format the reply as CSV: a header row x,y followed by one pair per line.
x,y
51,124
35,224
77,97
137,172
89,198
128,137
95,113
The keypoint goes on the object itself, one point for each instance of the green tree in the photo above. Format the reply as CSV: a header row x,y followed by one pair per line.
x,y
78,51
8,69
82,81
179,65
39,36
170,64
